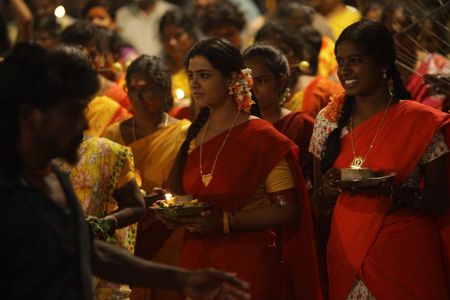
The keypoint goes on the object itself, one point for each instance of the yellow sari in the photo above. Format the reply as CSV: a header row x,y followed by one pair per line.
x,y
103,111
104,167
154,156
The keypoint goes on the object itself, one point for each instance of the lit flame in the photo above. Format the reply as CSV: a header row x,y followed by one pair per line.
x,y
168,196
60,11
180,93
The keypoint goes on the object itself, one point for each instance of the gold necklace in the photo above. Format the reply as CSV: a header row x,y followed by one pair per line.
x,y
206,178
133,125
358,161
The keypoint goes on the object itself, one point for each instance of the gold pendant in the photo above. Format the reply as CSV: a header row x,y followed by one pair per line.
x,y
357,162
206,179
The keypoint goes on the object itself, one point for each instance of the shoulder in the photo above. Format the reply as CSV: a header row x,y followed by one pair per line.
x,y
264,131
409,108
104,147
302,117
163,6
127,11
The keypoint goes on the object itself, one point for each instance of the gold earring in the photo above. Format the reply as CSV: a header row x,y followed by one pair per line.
x,y
304,66
384,74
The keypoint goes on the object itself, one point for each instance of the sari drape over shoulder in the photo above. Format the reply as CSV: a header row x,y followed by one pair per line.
x,y
399,255
253,149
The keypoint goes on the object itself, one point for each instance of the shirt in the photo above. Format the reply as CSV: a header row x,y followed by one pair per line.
x,y
142,30
45,251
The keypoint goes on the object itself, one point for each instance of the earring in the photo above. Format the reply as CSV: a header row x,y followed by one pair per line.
x,y
285,96
304,66
384,74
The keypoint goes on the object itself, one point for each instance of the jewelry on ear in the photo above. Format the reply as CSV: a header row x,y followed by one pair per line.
x,y
304,66
384,74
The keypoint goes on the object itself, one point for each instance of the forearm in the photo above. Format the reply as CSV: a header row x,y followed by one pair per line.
x,y
131,207
116,265
127,216
269,216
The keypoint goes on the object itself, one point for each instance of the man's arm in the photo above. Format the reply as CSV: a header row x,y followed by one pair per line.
x,y
116,265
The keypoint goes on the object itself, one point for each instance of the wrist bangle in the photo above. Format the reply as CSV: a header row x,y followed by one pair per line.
x,y
225,222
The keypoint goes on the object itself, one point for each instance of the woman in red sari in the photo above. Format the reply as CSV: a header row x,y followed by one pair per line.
x,y
270,72
387,241
249,172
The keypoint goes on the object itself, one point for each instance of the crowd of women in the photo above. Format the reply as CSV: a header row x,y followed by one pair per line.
x,y
257,117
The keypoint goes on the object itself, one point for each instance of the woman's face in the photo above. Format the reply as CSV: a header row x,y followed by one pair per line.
x,y
176,41
99,16
266,86
143,96
359,74
209,87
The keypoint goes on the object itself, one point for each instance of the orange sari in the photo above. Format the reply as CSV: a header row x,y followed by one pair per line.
x,y
118,94
252,255
398,255
102,112
314,97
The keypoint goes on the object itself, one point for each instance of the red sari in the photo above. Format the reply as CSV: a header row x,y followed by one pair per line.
x,y
241,168
400,255
298,127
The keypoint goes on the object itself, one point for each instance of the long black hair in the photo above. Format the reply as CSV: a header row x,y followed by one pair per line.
x,y
225,58
375,40
35,77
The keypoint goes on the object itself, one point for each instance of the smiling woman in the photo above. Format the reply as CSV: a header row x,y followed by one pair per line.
x,y
374,227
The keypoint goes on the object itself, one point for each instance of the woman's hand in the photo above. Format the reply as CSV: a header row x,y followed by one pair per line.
x,y
208,220
383,189
211,284
329,187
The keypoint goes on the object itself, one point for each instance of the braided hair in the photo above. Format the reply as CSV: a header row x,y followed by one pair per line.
x,y
225,58
375,40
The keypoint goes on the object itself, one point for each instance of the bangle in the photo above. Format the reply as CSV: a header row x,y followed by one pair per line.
x,y
225,222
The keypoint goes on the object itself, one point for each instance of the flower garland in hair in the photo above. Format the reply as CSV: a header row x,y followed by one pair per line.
x,y
242,90
333,110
